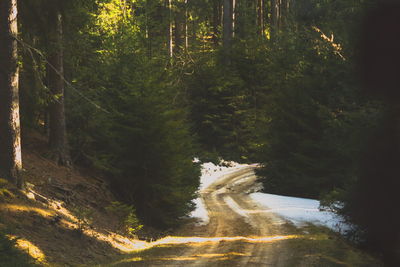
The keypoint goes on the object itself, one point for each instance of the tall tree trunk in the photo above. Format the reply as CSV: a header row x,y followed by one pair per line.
x,y
216,21
10,140
233,7
193,40
57,135
148,30
170,44
186,25
179,26
260,17
275,16
227,29
285,8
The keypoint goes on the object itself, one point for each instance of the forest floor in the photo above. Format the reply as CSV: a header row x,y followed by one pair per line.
x,y
62,220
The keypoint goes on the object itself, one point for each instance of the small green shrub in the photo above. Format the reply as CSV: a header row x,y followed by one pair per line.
x,y
4,191
84,217
128,223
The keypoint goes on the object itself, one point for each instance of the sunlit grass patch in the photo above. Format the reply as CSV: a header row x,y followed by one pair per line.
x,y
31,249
11,254
25,208
4,189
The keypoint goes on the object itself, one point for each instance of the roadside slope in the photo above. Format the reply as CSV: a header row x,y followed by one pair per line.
x,y
61,218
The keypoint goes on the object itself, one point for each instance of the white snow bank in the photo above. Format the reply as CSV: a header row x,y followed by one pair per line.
x,y
200,212
209,174
299,210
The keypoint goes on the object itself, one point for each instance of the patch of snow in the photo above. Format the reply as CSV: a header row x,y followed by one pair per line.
x,y
210,173
299,211
200,212
242,180
196,160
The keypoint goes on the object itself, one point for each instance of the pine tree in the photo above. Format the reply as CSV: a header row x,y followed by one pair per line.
x,y
57,131
10,142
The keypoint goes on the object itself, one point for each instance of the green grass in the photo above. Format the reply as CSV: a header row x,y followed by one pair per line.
x,y
10,256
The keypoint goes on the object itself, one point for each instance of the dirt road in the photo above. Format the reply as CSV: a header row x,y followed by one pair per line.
x,y
239,233
233,214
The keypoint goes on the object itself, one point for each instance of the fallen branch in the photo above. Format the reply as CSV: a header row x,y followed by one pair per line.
x,y
336,46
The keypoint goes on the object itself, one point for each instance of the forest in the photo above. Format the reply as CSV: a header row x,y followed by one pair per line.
x,y
133,90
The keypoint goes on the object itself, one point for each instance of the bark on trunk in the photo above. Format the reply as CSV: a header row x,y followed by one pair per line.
x,y
10,141
148,30
57,135
170,44
227,29
233,7
186,25
179,26
260,17
275,16
216,21
285,6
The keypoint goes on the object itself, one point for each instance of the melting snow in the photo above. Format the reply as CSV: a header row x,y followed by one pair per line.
x,y
299,210
200,212
209,174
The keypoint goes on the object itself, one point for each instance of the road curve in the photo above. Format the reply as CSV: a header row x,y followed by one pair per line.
x,y
242,233
239,233
233,214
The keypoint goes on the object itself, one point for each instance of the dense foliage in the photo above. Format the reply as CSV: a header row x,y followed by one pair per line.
x,y
123,115
316,117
